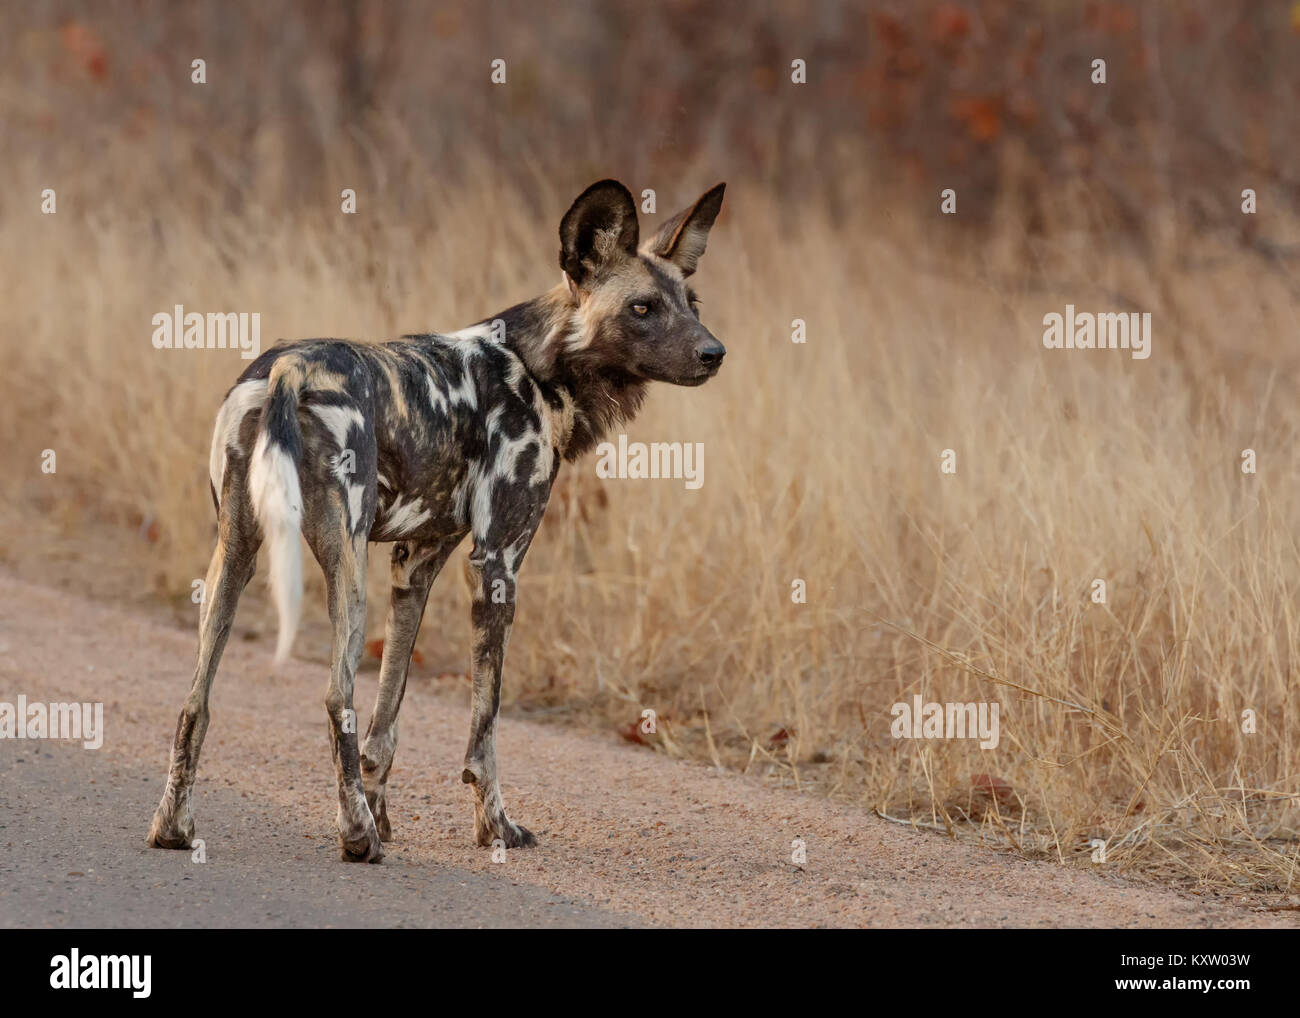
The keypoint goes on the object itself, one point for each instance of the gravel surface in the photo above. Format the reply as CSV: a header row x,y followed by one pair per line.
x,y
627,837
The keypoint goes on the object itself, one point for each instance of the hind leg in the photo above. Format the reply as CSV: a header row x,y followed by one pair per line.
x,y
233,564
415,567
342,555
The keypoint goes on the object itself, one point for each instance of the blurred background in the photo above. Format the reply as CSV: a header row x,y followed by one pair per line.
x,y
1122,720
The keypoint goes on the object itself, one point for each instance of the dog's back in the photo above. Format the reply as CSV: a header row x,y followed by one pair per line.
x,y
398,435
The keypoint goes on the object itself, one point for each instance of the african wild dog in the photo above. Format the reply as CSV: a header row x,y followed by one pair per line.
x,y
420,442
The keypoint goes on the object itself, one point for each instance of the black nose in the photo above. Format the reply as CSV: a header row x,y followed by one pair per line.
x,y
710,353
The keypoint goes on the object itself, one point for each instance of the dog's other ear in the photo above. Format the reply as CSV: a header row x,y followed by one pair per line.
x,y
681,240
599,227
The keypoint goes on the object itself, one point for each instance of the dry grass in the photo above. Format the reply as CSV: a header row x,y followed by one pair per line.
x,y
1119,721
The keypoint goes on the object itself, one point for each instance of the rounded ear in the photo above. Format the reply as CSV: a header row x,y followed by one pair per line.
x,y
682,239
600,227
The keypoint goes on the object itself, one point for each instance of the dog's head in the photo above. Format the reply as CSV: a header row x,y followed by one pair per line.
x,y
636,312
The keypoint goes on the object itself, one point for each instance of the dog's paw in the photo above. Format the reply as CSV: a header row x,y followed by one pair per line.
x,y
362,847
169,833
513,835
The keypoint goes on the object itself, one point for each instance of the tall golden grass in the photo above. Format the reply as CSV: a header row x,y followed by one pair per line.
x,y
1120,721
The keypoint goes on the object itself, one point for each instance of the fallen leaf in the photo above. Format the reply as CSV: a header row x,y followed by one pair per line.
x,y
632,733
988,786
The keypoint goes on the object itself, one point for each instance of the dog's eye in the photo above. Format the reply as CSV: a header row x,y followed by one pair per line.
x,y
640,309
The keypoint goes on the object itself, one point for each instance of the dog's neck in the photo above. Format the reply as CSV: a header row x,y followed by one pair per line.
x,y
551,336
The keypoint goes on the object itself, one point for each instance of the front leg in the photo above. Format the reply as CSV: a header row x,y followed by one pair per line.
x,y
492,587
503,525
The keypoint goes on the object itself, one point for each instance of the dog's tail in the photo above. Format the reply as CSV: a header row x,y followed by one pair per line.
x,y
277,495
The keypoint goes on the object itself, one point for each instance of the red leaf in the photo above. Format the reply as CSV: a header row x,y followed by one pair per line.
x,y
991,786
632,733
949,24
84,45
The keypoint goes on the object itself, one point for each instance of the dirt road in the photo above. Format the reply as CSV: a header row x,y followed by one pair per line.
x,y
627,837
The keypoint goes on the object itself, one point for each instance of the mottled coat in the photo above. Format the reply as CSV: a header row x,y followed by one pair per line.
x,y
421,442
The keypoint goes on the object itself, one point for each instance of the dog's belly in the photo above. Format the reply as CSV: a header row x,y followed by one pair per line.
x,y
422,489
419,516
